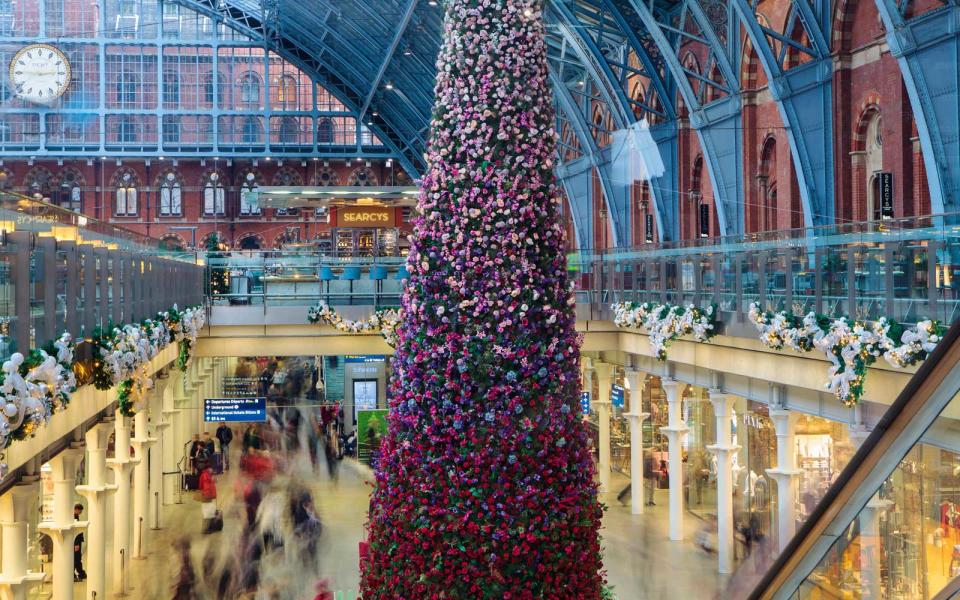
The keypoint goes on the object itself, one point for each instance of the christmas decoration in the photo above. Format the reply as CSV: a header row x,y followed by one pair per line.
x,y
485,488
219,277
851,346
384,321
666,322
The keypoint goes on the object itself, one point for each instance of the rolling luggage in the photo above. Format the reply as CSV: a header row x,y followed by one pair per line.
x,y
191,482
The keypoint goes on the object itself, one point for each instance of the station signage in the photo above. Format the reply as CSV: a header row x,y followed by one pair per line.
x,y
616,395
648,223
364,358
885,180
585,403
704,220
366,216
235,410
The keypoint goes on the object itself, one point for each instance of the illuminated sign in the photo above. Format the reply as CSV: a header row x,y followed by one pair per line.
x,y
365,216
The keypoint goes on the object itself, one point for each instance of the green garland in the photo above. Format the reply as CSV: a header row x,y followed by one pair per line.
x,y
183,356
124,398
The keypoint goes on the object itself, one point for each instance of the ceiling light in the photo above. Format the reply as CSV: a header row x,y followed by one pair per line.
x,y
389,86
408,51
432,2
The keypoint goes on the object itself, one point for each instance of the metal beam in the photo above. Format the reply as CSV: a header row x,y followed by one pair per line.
x,y
717,124
804,98
926,48
394,44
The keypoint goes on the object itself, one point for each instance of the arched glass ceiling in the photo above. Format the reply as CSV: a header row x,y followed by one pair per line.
x,y
380,55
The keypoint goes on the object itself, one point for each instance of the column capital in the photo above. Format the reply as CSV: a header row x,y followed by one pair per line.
x,y
16,503
92,492
586,363
783,476
722,450
722,403
64,465
641,417
122,466
62,532
604,370
784,420
678,430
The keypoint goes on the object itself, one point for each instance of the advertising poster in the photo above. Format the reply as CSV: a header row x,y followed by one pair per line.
x,y
371,427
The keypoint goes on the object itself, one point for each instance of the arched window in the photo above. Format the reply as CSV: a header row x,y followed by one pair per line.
x,y
126,185
69,192
287,91
38,183
325,131
363,177
248,203
250,241
874,160
214,195
252,131
289,130
171,89
250,88
767,186
171,195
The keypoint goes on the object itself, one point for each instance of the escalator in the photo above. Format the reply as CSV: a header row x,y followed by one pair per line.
x,y
887,526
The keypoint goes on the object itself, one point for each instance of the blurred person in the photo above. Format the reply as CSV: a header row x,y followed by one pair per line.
x,y
225,435
197,449
78,573
185,586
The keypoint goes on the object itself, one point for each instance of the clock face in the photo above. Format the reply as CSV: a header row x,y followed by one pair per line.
x,y
39,73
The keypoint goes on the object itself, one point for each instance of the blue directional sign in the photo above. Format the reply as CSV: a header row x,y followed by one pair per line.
x,y
235,410
585,402
616,395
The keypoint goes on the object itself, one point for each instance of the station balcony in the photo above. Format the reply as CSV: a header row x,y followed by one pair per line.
x,y
61,271
906,270
903,269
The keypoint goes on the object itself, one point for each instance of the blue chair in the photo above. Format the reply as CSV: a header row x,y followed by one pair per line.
x,y
378,272
402,274
326,274
350,274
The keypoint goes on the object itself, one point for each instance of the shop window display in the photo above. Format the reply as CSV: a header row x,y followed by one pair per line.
x,y
905,543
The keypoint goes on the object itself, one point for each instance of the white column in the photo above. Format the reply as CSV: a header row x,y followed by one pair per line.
x,y
141,483
16,504
604,372
676,432
786,474
160,426
63,528
122,463
635,381
724,450
96,491
871,545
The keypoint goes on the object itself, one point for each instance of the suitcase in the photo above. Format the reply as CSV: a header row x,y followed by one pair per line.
x,y
191,482
216,463
214,524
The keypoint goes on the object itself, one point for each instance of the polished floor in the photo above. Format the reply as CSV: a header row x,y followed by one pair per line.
x,y
641,563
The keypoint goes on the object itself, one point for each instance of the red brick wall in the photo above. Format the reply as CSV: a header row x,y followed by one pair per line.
x,y
99,194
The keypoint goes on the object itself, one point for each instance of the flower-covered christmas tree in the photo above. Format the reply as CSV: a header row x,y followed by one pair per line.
x,y
485,486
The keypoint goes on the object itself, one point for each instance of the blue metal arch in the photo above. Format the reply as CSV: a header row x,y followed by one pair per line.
x,y
717,124
927,49
804,97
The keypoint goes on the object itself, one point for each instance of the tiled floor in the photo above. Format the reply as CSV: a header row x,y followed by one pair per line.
x,y
641,563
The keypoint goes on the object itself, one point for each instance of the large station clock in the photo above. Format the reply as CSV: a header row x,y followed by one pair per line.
x,y
39,73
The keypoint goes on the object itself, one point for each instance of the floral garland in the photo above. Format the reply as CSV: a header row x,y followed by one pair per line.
x,y
119,352
666,322
384,321
851,346
34,387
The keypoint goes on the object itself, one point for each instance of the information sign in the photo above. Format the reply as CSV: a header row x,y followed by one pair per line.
x,y
885,179
585,402
616,395
235,410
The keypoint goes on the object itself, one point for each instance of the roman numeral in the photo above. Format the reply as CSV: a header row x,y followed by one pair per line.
x,y
20,61
50,91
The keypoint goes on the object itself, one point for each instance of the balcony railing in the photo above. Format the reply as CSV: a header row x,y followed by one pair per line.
x,y
902,269
64,272
906,269
302,278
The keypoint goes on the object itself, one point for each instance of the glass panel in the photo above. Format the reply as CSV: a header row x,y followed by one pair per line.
x,y
37,308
